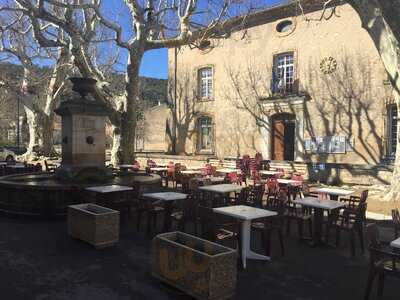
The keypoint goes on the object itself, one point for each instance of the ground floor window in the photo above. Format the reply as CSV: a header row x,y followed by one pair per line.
x,y
392,138
205,134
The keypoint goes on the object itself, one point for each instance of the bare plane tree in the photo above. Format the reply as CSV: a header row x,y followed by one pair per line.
x,y
18,43
154,24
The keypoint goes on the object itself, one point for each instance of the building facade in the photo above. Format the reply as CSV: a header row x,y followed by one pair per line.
x,y
293,87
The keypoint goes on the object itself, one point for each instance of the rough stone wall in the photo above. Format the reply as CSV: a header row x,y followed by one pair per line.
x,y
350,101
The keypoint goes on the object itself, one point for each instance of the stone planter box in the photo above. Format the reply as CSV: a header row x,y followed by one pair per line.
x,y
198,267
94,224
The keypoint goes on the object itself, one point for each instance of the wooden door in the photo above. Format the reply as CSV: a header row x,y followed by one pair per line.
x,y
278,142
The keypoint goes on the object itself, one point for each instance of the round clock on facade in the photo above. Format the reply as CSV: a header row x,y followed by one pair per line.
x,y
328,65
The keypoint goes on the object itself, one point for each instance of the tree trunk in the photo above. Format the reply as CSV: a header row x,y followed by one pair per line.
x,y
46,144
116,146
129,115
381,20
33,118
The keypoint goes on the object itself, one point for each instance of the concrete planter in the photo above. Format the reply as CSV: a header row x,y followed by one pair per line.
x,y
93,224
200,268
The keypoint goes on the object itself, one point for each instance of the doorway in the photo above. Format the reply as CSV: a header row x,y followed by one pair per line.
x,y
283,136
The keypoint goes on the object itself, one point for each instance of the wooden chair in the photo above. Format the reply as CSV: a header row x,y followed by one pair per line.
x,y
396,222
241,198
382,261
272,190
49,167
352,222
275,224
217,229
188,214
256,196
297,213
152,209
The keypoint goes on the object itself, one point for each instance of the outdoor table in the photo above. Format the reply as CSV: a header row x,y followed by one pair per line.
x,y
105,191
227,170
194,168
334,193
246,214
395,243
159,169
269,173
191,172
224,188
221,189
168,198
289,182
213,179
319,206
3,164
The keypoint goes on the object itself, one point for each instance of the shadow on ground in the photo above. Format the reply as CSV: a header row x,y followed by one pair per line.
x,y
39,261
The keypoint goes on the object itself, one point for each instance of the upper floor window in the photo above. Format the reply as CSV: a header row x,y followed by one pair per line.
x,y
205,127
206,82
283,74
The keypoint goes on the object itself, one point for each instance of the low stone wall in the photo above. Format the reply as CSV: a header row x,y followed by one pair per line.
x,y
333,173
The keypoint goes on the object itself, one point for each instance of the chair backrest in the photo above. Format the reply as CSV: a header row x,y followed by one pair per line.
x,y
208,222
257,194
364,196
360,213
272,185
373,236
243,196
396,222
190,207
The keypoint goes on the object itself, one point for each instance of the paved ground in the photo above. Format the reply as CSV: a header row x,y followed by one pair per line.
x,y
39,261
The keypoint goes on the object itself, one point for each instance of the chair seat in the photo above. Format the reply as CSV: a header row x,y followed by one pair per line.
x,y
177,215
157,209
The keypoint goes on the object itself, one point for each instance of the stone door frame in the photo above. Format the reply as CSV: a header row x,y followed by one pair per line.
x,y
294,106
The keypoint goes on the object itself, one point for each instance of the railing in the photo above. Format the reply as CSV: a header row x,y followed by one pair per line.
x,y
284,89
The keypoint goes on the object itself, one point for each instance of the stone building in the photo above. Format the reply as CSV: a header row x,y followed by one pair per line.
x,y
293,87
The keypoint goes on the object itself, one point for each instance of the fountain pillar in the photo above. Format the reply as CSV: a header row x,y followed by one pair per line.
x,y
83,132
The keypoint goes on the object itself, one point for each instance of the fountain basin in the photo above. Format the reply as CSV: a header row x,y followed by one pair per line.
x,y
43,195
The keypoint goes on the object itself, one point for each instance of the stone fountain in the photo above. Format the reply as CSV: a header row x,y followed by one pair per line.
x,y
83,122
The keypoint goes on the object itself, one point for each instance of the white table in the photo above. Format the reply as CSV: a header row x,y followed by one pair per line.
x,y
109,189
3,164
168,198
289,182
269,173
334,193
105,195
159,169
395,243
319,206
213,179
246,214
221,188
227,170
191,172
